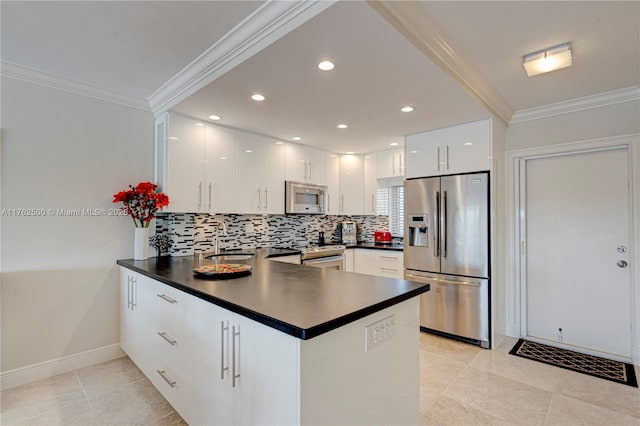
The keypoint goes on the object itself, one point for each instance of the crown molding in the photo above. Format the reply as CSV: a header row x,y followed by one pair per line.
x,y
415,24
267,24
30,75
613,97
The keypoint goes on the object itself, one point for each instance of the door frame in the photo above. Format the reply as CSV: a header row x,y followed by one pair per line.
x,y
515,291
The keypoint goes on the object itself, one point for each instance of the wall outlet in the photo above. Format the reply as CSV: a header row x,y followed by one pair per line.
x,y
249,229
379,332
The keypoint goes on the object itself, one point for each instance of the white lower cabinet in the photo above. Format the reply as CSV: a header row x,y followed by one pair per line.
x,y
381,263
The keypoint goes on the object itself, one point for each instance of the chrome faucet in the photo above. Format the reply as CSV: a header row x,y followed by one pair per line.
x,y
218,224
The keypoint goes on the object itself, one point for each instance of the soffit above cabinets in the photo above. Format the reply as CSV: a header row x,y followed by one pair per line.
x,y
131,47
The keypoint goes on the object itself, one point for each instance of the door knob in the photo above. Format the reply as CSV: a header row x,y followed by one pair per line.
x,y
622,263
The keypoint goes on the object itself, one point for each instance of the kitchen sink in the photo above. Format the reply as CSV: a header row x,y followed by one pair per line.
x,y
231,257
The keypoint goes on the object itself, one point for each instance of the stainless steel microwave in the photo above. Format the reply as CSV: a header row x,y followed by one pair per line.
x,y
305,198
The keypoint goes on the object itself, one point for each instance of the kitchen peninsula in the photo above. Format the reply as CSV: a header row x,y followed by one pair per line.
x,y
287,344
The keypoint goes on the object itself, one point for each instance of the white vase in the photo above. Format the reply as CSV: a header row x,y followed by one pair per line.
x,y
141,244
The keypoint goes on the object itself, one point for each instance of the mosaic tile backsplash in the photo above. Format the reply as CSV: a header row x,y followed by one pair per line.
x,y
188,231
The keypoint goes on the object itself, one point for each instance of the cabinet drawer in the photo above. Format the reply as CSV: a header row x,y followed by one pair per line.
x,y
173,386
389,271
394,258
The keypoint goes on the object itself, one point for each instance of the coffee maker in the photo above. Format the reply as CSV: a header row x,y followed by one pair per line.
x,y
349,231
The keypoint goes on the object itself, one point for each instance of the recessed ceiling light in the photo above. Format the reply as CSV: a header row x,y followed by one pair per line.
x,y
258,97
413,151
468,143
406,109
248,151
350,152
172,138
214,117
547,60
199,124
332,156
394,144
296,138
279,143
342,126
326,65
367,156
223,158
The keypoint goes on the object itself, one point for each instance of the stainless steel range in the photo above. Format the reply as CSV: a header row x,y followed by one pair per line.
x,y
329,256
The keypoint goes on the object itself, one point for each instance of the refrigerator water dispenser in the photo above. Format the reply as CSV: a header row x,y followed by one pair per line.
x,y
418,230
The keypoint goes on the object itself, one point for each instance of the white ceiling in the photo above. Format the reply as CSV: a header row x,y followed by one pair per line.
x,y
131,47
135,47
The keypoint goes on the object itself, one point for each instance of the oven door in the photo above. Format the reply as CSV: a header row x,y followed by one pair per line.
x,y
330,262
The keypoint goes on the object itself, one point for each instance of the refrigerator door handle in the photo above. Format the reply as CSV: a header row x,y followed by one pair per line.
x,y
436,235
423,279
444,219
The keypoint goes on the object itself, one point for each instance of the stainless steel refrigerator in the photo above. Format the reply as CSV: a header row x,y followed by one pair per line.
x,y
446,243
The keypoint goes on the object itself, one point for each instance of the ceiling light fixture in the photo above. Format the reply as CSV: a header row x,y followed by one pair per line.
x,y
326,65
214,117
468,143
258,97
248,151
173,138
296,138
342,126
547,60
394,144
199,124
407,109
350,152
413,151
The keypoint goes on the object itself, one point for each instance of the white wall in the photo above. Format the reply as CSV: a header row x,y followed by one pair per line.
x,y
59,279
605,121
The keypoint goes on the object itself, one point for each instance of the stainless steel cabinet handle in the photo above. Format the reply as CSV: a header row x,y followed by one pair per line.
x,y
310,179
389,269
438,158
444,217
167,338
210,196
129,292
167,298
328,203
388,257
259,198
373,203
342,204
447,157
134,293
622,263
393,165
266,199
199,195
235,368
223,368
170,382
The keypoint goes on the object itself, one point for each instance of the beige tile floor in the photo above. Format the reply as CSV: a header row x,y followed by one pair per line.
x,y
460,384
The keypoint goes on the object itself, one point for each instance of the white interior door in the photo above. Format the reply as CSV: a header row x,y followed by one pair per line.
x,y
577,284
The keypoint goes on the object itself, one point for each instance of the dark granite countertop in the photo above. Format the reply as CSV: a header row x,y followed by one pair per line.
x,y
302,301
378,246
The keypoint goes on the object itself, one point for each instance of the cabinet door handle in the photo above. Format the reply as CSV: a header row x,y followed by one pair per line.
x,y
266,198
134,293
438,158
373,203
199,195
223,368
259,198
170,382
328,203
304,170
393,165
167,298
342,204
388,269
210,198
235,367
388,257
447,153
129,292
310,178
168,339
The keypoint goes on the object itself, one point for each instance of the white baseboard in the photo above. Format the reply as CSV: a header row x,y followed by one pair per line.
x,y
512,329
636,355
43,370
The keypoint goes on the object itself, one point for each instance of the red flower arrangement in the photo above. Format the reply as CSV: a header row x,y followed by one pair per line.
x,y
142,202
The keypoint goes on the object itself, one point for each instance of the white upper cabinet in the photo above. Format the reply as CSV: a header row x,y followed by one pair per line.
x,y
220,165
332,179
457,149
351,185
184,181
199,168
370,185
260,174
304,164
390,163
